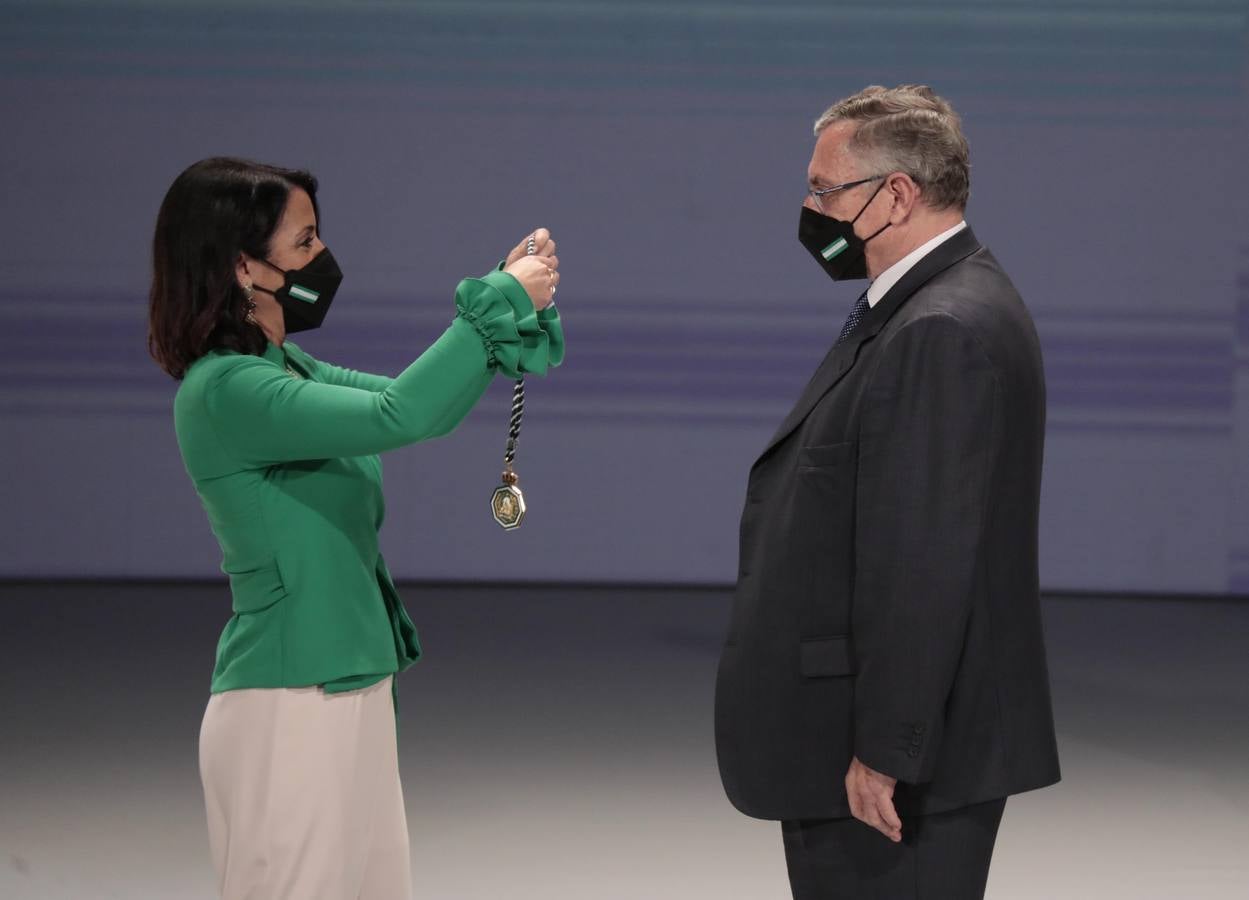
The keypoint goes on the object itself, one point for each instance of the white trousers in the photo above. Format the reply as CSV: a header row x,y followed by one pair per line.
x,y
303,795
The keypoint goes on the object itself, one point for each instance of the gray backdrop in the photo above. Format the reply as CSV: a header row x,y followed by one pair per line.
x,y
666,146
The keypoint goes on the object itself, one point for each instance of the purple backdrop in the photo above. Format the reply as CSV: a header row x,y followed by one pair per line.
x,y
666,148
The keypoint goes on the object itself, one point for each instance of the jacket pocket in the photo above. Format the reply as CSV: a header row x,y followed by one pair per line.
x,y
826,455
826,657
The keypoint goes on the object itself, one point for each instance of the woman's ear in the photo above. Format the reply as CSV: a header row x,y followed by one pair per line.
x,y
243,273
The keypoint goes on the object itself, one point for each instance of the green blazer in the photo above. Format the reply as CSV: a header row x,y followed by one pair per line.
x,y
282,449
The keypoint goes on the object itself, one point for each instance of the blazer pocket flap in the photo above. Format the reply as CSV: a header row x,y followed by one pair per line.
x,y
826,657
825,455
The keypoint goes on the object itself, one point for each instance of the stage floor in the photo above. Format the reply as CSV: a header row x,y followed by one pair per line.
x,y
557,743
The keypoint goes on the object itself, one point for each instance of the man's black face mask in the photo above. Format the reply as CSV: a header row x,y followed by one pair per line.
x,y
833,243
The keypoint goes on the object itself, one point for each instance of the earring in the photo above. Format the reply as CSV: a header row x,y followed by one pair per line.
x,y
249,309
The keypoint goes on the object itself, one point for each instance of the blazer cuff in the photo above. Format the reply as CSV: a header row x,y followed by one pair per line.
x,y
906,751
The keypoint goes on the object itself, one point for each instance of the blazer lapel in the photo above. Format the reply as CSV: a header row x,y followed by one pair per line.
x,y
842,357
834,367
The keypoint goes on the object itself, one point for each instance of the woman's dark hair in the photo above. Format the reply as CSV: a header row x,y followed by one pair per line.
x,y
215,210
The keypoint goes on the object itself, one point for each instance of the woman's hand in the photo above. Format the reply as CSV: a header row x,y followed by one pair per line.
x,y
543,245
538,273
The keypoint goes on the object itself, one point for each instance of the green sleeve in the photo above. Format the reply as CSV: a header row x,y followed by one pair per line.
x,y
331,374
534,339
547,319
264,416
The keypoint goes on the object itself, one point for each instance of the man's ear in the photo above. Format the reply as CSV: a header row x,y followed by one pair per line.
x,y
904,195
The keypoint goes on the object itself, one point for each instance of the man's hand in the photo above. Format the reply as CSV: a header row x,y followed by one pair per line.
x,y
871,799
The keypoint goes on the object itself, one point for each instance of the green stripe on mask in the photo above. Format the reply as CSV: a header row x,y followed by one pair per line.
x,y
834,249
302,293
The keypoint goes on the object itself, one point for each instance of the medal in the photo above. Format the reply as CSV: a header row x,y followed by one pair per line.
x,y
507,505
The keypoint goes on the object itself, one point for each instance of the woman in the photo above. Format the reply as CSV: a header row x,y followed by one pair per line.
x,y
297,747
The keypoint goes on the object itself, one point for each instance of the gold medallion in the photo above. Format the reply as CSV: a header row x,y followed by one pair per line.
x,y
507,505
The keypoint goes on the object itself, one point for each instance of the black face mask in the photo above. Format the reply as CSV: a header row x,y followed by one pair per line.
x,y
833,243
306,295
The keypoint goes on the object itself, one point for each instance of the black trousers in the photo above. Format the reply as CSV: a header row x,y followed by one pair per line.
x,y
944,856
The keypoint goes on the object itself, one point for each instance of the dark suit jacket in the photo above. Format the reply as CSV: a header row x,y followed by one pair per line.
x,y
887,598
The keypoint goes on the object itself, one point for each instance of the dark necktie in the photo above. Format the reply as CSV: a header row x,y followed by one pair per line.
x,y
856,315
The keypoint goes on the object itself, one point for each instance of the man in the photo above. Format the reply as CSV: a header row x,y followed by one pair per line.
x,y
883,687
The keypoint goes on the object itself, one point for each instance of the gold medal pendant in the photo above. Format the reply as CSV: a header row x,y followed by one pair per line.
x,y
508,503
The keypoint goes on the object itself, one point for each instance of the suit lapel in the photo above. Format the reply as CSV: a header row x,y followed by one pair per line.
x,y
834,367
843,356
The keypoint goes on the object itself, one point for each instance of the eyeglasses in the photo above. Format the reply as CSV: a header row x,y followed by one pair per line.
x,y
817,194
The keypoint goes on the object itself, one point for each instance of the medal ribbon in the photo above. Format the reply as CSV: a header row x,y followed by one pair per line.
x,y
508,504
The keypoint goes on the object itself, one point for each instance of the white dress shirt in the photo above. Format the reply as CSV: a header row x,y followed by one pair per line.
x,y
894,273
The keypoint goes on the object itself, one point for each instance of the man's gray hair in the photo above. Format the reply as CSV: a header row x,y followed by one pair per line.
x,y
908,129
